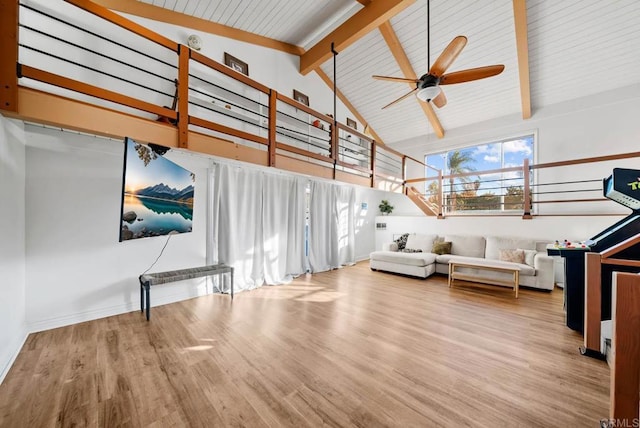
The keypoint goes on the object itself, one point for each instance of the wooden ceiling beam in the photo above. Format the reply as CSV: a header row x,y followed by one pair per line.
x,y
399,54
522,47
156,13
364,21
350,106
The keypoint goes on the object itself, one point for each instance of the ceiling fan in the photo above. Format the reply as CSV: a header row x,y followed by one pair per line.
x,y
428,85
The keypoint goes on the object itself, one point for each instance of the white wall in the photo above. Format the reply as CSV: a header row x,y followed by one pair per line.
x,y
13,330
76,269
588,127
366,217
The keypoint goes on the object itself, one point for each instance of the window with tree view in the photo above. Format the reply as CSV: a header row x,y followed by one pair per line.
x,y
471,182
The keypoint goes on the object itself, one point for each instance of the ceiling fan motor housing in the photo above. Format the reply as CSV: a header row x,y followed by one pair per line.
x,y
427,87
427,80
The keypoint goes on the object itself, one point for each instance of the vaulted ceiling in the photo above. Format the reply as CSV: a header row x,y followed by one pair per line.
x,y
575,48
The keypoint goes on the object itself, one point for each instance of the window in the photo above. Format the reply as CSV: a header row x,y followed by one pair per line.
x,y
478,186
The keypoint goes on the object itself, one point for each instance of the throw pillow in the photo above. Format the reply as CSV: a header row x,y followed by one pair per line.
x,y
410,250
441,248
529,256
421,241
402,241
514,256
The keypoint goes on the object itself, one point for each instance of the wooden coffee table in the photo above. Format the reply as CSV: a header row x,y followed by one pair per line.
x,y
453,274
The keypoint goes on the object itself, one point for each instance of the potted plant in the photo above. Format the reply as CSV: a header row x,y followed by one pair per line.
x,y
385,207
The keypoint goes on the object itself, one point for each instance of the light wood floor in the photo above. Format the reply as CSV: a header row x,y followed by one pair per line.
x,y
344,348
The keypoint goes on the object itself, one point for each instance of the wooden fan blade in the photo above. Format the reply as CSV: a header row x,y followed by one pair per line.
x,y
400,99
440,100
396,79
471,74
448,55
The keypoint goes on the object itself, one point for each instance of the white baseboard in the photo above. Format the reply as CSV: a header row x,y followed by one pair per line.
x,y
70,319
75,318
14,349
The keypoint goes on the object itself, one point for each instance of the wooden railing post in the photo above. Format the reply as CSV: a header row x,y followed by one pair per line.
x,y
592,303
527,191
9,60
625,349
273,113
184,54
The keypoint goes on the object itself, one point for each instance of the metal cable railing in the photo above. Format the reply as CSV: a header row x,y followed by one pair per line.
x,y
134,70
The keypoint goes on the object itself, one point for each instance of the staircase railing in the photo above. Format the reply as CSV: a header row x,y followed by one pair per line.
x,y
428,207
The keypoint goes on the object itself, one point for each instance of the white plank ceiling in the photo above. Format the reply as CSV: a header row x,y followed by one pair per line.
x,y
577,48
292,21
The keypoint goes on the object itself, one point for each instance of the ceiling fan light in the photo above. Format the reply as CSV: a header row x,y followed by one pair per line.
x,y
428,93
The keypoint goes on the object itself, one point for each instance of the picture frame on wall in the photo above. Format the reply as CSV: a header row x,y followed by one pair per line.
x,y
300,97
236,64
352,124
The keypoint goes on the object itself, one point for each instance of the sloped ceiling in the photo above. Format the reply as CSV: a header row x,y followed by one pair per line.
x,y
576,48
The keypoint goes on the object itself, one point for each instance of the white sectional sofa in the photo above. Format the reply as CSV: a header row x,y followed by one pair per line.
x,y
537,271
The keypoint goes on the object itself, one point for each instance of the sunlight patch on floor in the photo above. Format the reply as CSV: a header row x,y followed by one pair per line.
x,y
299,293
198,348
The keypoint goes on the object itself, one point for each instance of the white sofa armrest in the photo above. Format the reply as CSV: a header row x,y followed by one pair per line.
x,y
392,246
545,274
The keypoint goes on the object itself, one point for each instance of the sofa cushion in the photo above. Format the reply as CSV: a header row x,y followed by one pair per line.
x,y
529,256
415,259
524,269
441,247
514,256
497,243
390,246
466,245
418,241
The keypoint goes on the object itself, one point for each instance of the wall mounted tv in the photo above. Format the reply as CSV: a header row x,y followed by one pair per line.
x,y
157,194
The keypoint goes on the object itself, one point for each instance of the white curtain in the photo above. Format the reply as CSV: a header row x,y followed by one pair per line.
x,y
345,205
256,225
331,226
283,227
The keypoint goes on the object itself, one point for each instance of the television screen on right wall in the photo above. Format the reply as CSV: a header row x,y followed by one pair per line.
x,y
157,194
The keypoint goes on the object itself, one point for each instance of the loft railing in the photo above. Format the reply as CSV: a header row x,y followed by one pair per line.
x,y
565,188
84,52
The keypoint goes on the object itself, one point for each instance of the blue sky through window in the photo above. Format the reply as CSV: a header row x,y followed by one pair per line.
x,y
502,154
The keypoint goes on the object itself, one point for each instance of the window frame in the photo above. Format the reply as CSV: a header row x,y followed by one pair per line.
x,y
515,136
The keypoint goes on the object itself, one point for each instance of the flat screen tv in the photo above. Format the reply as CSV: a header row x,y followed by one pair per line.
x,y
157,194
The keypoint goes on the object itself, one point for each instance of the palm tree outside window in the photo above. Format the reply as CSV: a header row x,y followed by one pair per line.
x,y
481,191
